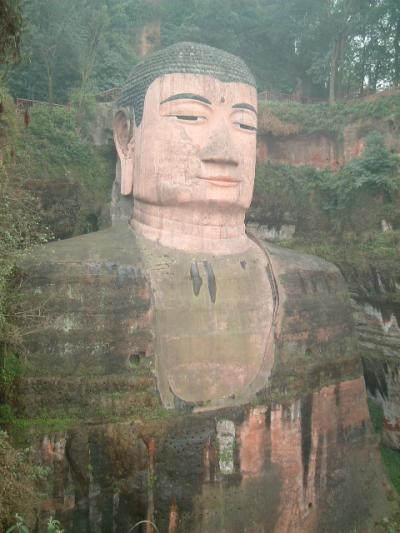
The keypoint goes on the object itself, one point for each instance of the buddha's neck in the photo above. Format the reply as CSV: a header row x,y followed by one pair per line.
x,y
190,229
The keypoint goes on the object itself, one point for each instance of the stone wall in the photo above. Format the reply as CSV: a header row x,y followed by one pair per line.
x,y
318,150
323,150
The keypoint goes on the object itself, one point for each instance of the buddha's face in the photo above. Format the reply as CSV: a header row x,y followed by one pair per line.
x,y
196,144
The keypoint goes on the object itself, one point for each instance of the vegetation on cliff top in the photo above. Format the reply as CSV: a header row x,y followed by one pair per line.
x,y
282,118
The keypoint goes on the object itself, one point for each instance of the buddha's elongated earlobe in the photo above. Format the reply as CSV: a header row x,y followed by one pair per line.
x,y
124,142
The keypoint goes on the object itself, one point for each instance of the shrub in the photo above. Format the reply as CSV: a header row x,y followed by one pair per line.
x,y
331,201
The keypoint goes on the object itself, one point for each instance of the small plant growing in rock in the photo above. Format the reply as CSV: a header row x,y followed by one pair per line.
x,y
19,526
54,526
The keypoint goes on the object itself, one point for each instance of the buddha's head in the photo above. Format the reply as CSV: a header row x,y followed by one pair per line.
x,y
185,132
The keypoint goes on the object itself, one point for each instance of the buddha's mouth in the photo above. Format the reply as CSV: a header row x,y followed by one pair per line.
x,y
221,181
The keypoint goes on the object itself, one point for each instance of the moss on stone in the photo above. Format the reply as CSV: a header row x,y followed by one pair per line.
x,y
19,490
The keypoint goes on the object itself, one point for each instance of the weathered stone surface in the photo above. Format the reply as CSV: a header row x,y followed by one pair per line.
x,y
260,469
184,58
318,150
323,150
94,302
66,209
214,325
102,301
196,200
101,128
376,297
59,203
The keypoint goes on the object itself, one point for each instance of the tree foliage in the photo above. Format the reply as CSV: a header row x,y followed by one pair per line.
x,y
315,48
11,24
77,45
331,201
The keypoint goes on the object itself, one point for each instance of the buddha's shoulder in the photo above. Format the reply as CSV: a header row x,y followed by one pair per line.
x,y
117,244
291,260
304,273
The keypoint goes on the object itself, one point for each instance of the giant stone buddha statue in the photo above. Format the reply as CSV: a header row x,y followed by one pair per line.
x,y
187,141
181,309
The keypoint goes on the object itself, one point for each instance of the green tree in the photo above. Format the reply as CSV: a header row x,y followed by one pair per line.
x,y
86,46
316,48
11,23
49,21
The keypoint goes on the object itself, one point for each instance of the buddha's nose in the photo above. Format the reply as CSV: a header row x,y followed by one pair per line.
x,y
220,148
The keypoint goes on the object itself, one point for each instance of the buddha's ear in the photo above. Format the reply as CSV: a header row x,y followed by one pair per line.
x,y
123,128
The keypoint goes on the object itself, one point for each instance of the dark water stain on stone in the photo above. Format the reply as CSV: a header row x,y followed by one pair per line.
x,y
375,379
268,419
274,288
356,434
243,264
107,512
110,266
196,278
306,427
125,276
94,268
337,394
340,434
180,404
268,450
212,284
302,283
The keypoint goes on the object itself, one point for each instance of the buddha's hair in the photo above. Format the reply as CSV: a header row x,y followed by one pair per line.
x,y
181,58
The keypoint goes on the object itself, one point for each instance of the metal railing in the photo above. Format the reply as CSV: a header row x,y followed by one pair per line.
x,y
23,104
109,95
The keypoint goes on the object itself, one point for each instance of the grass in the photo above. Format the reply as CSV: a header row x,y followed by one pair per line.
x,y
20,429
390,458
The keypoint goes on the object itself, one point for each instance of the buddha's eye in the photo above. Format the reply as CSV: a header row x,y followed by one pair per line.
x,y
190,118
246,127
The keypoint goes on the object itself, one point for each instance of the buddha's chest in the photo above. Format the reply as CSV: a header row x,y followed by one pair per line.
x,y
213,325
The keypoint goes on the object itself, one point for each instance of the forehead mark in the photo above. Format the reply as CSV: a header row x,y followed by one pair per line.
x,y
245,106
187,96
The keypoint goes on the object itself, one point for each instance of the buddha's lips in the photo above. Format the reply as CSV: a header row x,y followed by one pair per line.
x,y
223,181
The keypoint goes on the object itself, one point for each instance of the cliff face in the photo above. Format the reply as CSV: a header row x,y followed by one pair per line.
x,y
370,268
293,451
308,466
376,301
319,150
326,150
